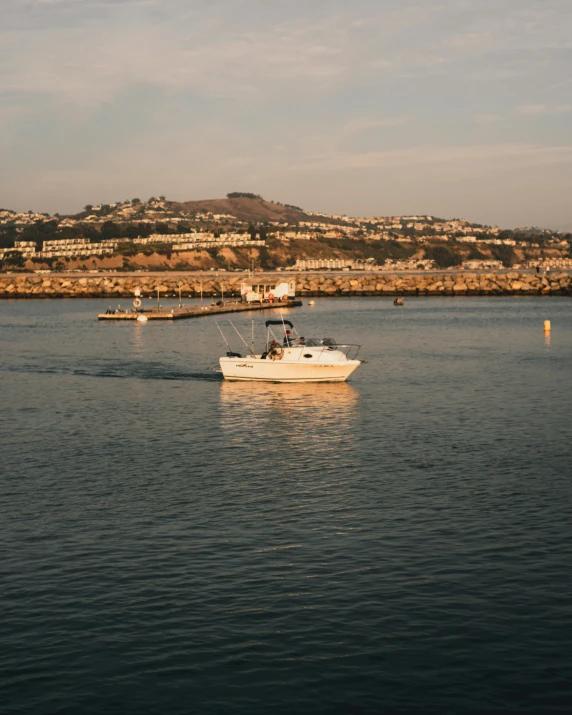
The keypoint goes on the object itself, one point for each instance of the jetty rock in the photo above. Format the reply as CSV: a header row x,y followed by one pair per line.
x,y
85,285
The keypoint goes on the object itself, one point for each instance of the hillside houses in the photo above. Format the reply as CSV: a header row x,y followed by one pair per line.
x,y
134,227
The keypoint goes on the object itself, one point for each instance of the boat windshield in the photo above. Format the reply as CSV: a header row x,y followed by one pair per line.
x,y
319,341
317,347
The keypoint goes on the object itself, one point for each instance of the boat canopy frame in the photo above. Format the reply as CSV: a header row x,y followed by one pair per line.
x,y
279,322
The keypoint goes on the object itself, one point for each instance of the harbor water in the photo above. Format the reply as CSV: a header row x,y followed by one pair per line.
x,y
173,543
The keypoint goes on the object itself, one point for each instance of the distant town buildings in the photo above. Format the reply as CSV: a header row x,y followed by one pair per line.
x,y
127,227
550,263
340,264
482,264
414,264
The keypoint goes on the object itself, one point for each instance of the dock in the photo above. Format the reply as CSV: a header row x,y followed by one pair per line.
x,y
196,311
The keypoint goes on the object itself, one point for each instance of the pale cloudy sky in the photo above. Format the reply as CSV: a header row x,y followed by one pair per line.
x,y
449,107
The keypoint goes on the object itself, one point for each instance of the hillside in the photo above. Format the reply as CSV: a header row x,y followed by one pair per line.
x,y
253,210
233,232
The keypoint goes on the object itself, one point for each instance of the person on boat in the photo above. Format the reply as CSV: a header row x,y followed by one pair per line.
x,y
288,339
270,350
275,352
301,340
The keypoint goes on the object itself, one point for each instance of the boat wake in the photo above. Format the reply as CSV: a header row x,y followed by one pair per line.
x,y
121,371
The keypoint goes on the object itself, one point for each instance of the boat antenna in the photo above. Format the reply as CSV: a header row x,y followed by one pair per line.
x,y
240,336
283,323
253,337
223,337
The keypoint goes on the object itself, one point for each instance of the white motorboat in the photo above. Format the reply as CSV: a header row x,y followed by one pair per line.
x,y
292,359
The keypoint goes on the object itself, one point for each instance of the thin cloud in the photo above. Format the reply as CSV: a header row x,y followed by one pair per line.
x,y
418,157
362,124
540,109
112,46
488,118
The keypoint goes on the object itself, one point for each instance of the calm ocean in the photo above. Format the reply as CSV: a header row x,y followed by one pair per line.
x,y
402,543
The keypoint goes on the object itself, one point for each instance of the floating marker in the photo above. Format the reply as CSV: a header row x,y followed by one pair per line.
x,y
546,326
311,302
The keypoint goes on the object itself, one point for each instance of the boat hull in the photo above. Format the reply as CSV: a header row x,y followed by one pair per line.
x,y
254,369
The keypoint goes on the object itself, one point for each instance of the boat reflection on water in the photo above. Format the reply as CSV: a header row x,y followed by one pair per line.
x,y
312,415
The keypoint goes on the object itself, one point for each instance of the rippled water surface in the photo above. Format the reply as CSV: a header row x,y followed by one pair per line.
x,y
172,543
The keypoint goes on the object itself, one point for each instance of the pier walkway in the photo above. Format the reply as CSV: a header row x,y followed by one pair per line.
x,y
195,311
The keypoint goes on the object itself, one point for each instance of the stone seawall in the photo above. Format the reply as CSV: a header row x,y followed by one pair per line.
x,y
123,285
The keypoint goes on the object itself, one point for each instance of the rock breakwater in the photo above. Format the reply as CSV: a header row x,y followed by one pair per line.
x,y
370,284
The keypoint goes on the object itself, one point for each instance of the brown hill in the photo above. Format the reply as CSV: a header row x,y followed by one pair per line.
x,y
247,209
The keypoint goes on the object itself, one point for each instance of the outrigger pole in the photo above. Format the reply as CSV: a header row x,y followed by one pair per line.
x,y
223,337
240,336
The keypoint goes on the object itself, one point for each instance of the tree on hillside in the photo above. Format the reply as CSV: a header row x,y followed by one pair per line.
x,y
162,228
505,254
14,259
83,230
242,195
182,227
40,231
268,260
443,256
110,230
6,241
475,254
136,230
68,232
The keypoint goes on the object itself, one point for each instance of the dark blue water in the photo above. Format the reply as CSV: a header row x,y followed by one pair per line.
x,y
171,543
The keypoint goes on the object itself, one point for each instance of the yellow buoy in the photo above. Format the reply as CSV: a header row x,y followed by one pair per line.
x,y
546,326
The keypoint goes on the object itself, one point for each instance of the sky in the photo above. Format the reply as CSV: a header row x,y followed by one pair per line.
x,y
455,108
